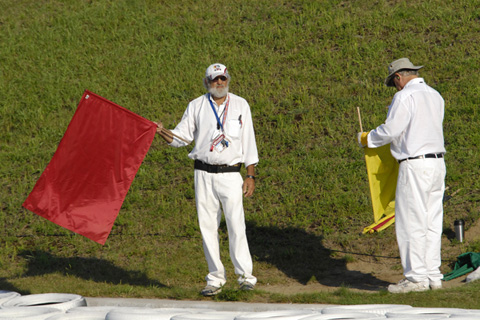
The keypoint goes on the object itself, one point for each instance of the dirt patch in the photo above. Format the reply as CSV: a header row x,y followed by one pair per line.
x,y
373,272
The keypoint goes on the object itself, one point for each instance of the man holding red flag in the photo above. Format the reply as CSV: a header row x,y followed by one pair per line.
x,y
221,125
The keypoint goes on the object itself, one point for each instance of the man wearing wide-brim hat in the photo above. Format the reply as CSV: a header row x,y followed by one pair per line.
x,y
414,129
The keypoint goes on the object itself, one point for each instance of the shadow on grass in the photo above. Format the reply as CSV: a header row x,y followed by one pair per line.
x,y
5,285
41,262
449,233
301,256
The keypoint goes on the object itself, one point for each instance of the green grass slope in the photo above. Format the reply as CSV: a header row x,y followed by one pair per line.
x,y
304,67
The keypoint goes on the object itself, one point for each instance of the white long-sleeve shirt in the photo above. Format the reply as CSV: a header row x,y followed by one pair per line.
x,y
414,122
200,124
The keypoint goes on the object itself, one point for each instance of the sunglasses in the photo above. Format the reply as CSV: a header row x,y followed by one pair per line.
x,y
223,78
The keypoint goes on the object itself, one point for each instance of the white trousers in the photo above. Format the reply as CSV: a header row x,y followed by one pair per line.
x,y
214,191
419,218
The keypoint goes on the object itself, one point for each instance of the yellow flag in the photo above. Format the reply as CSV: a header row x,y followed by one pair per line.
x,y
382,169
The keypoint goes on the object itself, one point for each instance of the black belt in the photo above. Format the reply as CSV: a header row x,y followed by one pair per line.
x,y
217,168
428,155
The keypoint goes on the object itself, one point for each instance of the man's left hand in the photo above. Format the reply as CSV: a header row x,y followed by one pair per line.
x,y
248,187
362,139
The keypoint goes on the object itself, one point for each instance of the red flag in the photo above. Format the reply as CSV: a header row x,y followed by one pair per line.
x,y
84,185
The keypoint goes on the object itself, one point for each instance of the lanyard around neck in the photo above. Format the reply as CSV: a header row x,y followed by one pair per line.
x,y
225,110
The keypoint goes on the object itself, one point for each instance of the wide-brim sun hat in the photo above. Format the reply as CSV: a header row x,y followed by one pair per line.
x,y
399,65
215,70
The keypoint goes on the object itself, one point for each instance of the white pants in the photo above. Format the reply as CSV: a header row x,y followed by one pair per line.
x,y
214,191
419,218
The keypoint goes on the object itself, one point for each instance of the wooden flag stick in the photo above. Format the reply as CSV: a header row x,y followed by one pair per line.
x,y
359,119
169,133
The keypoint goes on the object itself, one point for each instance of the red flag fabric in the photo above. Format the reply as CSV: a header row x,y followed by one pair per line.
x,y
84,185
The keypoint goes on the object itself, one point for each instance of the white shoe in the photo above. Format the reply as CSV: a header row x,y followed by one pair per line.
x,y
404,286
435,285
209,291
247,286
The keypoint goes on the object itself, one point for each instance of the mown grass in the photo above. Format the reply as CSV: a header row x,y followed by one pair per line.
x,y
304,66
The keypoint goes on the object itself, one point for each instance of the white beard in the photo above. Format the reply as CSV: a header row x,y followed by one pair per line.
x,y
218,92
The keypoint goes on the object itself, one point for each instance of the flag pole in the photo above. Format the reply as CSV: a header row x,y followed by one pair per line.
x,y
359,119
169,133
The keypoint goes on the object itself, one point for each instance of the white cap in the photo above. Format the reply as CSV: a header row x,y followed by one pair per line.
x,y
215,70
